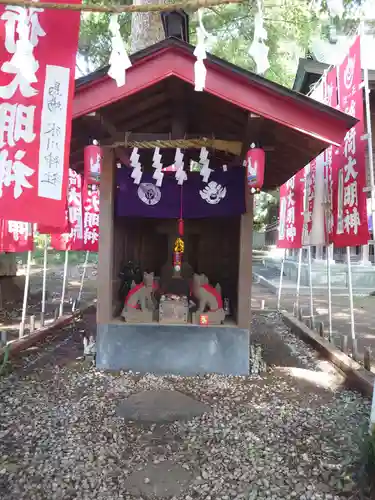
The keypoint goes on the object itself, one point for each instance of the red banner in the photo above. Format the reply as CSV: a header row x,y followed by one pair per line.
x,y
65,228
291,212
75,210
61,242
16,236
350,226
91,197
330,157
36,92
72,240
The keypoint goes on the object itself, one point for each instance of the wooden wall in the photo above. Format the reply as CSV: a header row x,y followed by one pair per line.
x,y
211,247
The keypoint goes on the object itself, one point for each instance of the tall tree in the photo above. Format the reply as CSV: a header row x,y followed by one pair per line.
x,y
146,27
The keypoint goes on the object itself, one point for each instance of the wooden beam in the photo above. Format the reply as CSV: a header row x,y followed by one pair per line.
x,y
245,265
125,113
145,119
104,123
214,105
106,238
178,107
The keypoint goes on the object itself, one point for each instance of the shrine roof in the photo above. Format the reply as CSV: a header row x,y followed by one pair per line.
x,y
158,100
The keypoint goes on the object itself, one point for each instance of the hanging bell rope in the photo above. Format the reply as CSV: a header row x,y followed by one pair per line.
x,y
232,147
121,9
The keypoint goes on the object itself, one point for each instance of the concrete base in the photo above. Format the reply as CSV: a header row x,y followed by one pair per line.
x,y
173,349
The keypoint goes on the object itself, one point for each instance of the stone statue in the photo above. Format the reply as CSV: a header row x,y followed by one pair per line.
x,y
140,303
210,302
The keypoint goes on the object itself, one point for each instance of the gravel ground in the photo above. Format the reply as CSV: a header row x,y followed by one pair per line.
x,y
293,432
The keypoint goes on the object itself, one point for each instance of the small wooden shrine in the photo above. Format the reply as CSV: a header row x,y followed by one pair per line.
x,y
185,249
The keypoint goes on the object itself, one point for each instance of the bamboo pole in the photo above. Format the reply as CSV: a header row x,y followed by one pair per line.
x,y
281,281
121,9
25,296
44,286
61,310
83,277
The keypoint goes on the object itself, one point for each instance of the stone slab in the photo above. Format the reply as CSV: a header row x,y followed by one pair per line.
x,y
160,407
173,349
163,480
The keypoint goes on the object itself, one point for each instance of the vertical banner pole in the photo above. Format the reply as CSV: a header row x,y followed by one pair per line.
x,y
25,295
281,280
298,278
369,136
83,276
329,292
350,287
42,314
311,289
372,414
61,311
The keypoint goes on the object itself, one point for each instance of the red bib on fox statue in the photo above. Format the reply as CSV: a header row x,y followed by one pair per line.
x,y
255,165
134,293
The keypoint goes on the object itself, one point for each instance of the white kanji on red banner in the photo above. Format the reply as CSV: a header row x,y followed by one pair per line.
x,y
16,236
73,240
349,205
291,212
91,218
36,91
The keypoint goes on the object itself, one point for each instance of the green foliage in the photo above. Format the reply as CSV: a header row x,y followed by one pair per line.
x,y
289,24
266,209
94,40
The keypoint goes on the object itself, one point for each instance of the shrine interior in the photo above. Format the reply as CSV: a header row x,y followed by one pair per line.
x,y
211,248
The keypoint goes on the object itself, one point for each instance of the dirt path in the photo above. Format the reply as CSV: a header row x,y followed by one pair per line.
x,y
10,315
291,433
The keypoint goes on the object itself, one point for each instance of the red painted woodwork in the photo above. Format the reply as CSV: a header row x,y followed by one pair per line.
x,y
301,115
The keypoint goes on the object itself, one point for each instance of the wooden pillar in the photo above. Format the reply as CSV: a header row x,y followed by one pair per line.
x,y
245,275
106,223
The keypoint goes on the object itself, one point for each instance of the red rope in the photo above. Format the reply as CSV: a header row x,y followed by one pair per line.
x,y
181,202
181,220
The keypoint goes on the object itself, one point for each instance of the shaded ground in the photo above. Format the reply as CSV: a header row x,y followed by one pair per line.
x,y
364,314
292,433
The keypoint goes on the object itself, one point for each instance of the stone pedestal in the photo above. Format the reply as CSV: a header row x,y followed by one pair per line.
x,y
173,349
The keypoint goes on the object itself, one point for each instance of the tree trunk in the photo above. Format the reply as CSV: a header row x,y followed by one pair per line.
x,y
147,28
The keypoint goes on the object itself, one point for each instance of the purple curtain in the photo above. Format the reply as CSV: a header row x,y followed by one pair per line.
x,y
223,195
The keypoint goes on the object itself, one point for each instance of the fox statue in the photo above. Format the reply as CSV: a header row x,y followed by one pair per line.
x,y
140,302
209,300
